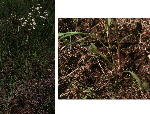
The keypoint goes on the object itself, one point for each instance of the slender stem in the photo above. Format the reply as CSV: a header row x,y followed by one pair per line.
x,y
118,57
118,43
108,31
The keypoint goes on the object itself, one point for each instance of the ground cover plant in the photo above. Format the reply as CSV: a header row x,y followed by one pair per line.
x,y
27,57
104,58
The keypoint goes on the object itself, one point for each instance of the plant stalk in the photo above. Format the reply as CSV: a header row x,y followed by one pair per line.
x,y
118,45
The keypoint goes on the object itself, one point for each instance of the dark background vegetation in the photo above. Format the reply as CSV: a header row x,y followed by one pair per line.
x,y
27,56
82,75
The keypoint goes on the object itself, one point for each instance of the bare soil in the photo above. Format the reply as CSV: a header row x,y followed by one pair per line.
x,y
84,76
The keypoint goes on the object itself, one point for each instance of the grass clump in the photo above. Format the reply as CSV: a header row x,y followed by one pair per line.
x,y
27,56
101,53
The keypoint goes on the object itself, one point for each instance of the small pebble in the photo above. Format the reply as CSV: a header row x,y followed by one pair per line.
x,y
149,56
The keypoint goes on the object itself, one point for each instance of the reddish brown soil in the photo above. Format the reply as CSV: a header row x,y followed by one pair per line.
x,y
83,76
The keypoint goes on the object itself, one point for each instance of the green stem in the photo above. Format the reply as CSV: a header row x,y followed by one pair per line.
x,y
118,45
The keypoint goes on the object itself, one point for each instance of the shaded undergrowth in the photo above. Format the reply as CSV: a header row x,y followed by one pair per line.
x,y
27,57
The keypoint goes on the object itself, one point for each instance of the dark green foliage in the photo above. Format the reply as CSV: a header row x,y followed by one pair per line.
x,y
26,48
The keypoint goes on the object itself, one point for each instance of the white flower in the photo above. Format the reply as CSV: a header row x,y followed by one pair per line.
x,y
33,20
34,23
45,11
29,13
46,14
21,19
37,8
24,23
43,17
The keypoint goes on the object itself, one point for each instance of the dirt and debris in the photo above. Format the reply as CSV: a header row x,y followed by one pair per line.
x,y
83,75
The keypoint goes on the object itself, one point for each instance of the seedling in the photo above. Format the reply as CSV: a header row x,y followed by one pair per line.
x,y
142,85
92,48
116,62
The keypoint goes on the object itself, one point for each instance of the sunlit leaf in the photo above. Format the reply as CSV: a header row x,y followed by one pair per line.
x,y
109,21
107,25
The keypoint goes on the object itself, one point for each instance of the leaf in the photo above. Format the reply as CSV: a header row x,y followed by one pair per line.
x,y
137,79
88,90
109,21
61,34
67,42
67,34
81,39
92,48
145,85
124,38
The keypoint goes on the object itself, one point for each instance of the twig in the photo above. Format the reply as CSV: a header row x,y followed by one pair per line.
x,y
101,67
70,73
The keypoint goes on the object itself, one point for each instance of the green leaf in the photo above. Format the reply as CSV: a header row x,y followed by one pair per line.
x,y
109,21
137,79
81,39
92,48
61,34
66,41
107,25
145,85
67,34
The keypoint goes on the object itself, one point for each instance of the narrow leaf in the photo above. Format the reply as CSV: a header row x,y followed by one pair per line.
x,y
109,21
137,79
92,48
145,85
67,34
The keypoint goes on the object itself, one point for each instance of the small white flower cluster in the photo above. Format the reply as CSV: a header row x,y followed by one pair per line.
x,y
43,17
37,8
30,20
33,23
46,13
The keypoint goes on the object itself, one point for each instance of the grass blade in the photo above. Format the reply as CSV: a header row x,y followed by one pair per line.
x,y
67,34
137,79
92,48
